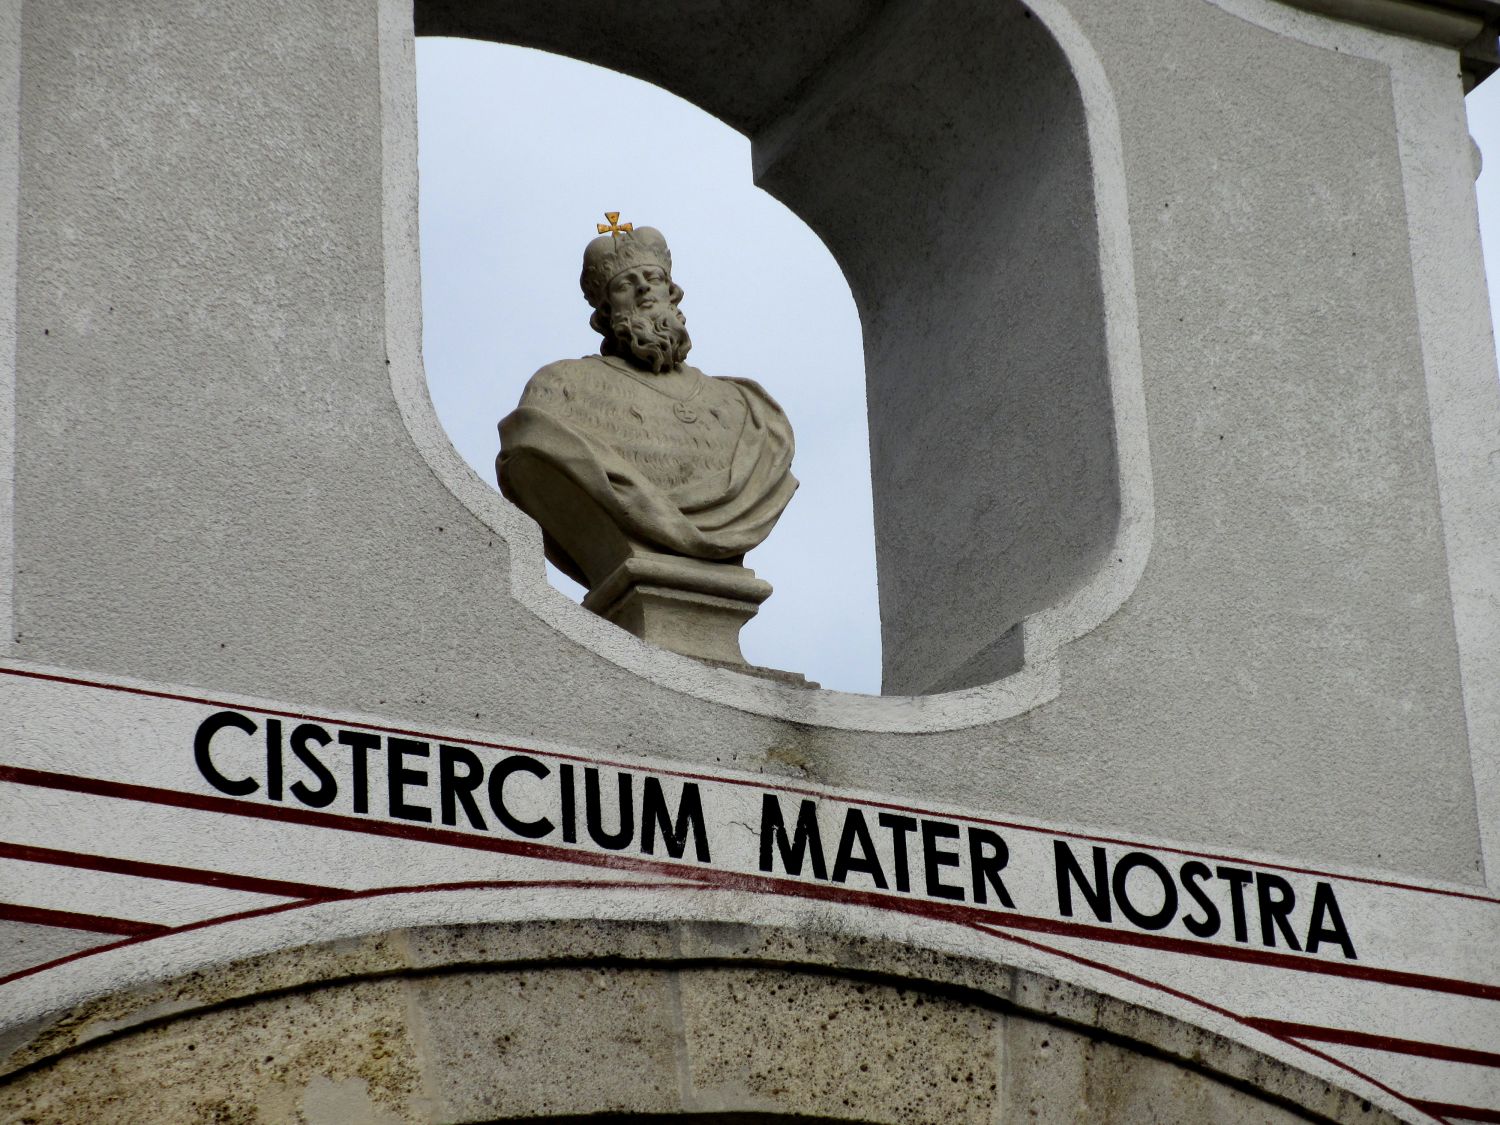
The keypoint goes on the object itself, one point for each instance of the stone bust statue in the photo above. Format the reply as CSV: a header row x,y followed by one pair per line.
x,y
650,479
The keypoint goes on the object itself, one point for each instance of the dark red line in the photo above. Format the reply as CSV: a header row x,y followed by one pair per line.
x,y
310,818
745,881
1125,974
1249,956
965,915
1465,1112
67,920
493,884
774,787
1377,1042
871,802
115,866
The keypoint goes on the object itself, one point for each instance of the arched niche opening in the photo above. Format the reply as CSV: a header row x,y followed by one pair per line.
x,y
516,161
943,154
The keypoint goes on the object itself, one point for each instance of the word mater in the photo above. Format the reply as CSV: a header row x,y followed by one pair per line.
x,y
746,834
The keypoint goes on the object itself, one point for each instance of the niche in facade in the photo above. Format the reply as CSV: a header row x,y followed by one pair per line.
x,y
941,152
512,178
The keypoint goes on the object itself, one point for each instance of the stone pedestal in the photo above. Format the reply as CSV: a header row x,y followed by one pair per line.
x,y
695,607
689,606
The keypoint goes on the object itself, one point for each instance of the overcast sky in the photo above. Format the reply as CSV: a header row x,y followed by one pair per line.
x,y
518,163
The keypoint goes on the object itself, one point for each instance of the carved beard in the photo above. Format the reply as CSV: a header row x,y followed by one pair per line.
x,y
657,337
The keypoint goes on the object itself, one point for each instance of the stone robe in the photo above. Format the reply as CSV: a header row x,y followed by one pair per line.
x,y
709,488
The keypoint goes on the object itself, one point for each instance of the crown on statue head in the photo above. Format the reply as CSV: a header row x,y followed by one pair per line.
x,y
611,254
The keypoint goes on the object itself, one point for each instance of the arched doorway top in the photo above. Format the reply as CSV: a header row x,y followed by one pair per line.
x,y
555,1020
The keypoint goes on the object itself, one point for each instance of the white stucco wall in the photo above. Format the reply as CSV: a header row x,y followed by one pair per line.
x,y
225,474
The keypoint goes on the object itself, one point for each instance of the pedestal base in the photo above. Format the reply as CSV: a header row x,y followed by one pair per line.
x,y
689,606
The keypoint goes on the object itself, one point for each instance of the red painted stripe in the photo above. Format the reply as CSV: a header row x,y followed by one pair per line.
x,y
1377,1042
1250,956
67,920
495,884
964,915
767,785
1464,1112
115,866
294,815
1134,978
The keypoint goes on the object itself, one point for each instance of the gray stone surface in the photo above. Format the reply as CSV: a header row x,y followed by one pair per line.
x,y
335,1055
991,437
846,1048
486,1023
495,1040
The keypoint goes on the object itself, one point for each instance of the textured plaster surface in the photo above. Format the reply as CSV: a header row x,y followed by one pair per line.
x,y
1297,569
1458,350
980,520
217,487
10,171
23,944
497,1022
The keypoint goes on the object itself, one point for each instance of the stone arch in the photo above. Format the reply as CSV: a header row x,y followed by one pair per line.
x,y
634,1021
962,173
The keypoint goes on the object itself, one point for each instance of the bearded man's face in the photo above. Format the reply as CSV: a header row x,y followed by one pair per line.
x,y
645,322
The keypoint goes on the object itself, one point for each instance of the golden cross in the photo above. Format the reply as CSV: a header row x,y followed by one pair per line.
x,y
614,226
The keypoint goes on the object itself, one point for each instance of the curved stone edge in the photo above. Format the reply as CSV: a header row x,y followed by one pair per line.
x,y
1097,600
1037,683
685,946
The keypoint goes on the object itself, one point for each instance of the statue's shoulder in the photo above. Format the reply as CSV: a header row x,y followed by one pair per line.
x,y
751,389
566,370
565,375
